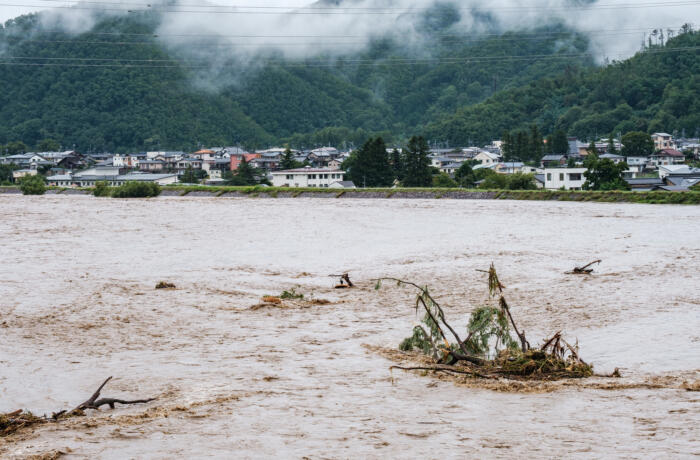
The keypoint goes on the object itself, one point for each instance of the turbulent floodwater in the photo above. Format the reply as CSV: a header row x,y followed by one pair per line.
x,y
78,305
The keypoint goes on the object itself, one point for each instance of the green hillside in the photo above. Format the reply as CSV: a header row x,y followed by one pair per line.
x,y
100,92
656,90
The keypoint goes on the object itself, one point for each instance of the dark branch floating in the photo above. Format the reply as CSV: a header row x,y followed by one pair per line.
x,y
489,351
14,421
583,270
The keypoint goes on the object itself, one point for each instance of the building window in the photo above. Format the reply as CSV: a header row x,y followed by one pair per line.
x,y
575,176
561,176
549,176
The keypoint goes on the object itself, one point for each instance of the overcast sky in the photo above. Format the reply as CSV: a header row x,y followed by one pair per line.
x,y
9,12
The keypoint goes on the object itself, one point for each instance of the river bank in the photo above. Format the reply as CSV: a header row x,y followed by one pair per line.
x,y
652,197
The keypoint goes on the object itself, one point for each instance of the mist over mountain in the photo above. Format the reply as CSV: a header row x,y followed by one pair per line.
x,y
176,76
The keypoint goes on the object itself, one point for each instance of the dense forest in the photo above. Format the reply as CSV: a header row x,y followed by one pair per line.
x,y
118,88
655,90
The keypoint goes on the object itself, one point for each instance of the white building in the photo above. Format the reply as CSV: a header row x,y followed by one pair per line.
x,y
487,158
567,178
307,177
21,173
125,161
60,180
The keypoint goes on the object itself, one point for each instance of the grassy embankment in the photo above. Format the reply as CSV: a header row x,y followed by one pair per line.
x,y
655,197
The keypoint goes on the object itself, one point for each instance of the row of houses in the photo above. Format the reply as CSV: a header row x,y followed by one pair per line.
x,y
673,178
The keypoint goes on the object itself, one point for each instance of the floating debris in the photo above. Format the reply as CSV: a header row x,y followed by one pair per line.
x,y
494,346
165,285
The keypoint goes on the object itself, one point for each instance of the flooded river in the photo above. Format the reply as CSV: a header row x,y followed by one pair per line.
x,y
78,304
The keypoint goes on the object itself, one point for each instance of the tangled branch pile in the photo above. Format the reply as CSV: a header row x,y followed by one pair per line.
x,y
493,347
14,421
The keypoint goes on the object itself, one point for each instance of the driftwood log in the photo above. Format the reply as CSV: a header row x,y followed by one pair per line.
x,y
584,270
13,421
94,403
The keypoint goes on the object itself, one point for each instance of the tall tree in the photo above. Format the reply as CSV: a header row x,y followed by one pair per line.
x,y
15,148
417,164
605,174
548,144
637,144
560,143
397,164
507,147
592,149
521,146
288,161
244,175
465,175
189,176
611,144
48,145
370,166
535,153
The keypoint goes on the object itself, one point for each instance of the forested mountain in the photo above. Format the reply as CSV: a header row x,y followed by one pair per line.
x,y
656,90
117,88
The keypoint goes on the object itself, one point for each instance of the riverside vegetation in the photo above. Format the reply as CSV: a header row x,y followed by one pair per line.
x,y
128,190
611,196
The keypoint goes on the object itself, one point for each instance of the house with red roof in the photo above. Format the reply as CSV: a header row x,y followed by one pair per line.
x,y
667,157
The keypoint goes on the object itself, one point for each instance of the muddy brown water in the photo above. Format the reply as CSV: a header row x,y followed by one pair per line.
x,y
78,304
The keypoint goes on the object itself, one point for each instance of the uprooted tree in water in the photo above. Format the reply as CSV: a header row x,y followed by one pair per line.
x,y
493,346
14,421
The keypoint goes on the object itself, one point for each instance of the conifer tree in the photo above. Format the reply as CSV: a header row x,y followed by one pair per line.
x,y
244,175
535,153
611,144
288,161
370,166
560,144
397,164
507,145
417,164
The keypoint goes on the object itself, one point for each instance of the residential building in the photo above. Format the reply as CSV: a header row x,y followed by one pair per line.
x,y
553,160
486,158
176,155
83,180
152,165
611,156
203,154
186,163
509,167
343,184
130,161
566,178
667,157
26,160
235,159
60,180
450,168
20,173
307,177
335,163
644,184
99,171
663,141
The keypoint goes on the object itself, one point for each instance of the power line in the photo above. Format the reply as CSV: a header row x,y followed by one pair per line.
x,y
519,33
219,44
173,63
261,10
